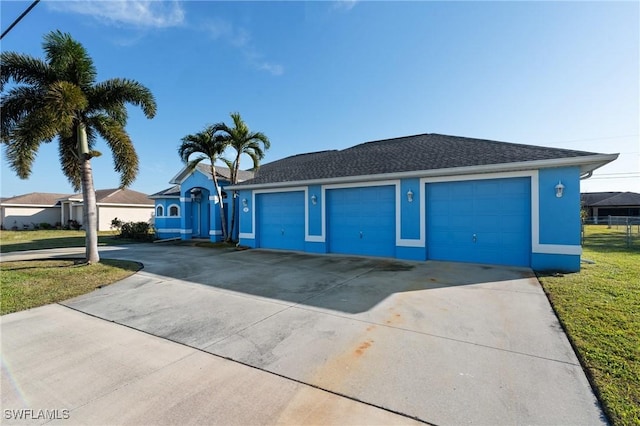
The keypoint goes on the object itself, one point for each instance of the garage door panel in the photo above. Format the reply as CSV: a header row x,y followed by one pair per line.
x,y
362,220
495,226
281,220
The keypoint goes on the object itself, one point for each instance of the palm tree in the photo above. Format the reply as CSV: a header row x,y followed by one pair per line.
x,y
59,98
243,141
210,146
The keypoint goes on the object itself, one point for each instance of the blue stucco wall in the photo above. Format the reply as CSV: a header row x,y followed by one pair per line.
x,y
555,262
315,210
559,219
410,210
166,226
245,216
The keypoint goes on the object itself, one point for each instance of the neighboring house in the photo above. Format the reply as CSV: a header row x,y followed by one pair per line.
x,y
600,205
125,204
28,210
424,197
190,209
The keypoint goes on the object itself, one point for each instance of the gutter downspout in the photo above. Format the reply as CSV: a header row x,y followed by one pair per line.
x,y
586,175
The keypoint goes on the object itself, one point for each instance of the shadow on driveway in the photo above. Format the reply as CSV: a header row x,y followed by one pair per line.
x,y
356,284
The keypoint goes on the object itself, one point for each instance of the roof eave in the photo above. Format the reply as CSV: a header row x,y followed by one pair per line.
x,y
28,205
124,205
587,164
155,197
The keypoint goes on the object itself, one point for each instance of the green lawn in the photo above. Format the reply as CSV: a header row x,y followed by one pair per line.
x,y
599,307
35,240
29,284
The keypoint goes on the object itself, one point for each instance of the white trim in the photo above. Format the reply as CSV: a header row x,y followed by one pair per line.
x,y
53,206
557,249
186,231
590,163
99,204
185,199
172,230
215,232
482,176
162,197
178,180
155,211
422,240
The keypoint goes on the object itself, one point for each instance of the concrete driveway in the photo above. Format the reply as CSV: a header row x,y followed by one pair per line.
x,y
444,343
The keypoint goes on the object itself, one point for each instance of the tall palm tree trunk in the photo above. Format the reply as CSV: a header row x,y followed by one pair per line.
x,y
234,180
90,210
220,203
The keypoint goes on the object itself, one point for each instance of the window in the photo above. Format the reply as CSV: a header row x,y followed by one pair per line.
x,y
174,210
159,211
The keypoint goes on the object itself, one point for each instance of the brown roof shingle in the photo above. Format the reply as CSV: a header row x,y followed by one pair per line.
x,y
36,198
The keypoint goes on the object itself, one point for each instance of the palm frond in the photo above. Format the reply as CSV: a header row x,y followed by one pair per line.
x,y
17,104
69,59
63,100
205,142
25,69
193,163
67,152
119,91
34,128
125,158
20,154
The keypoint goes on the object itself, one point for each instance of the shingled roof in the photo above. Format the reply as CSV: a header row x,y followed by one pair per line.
x,y
35,199
174,191
221,172
116,196
610,199
405,154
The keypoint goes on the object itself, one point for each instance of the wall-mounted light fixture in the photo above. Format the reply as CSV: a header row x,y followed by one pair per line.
x,y
410,196
559,189
314,199
245,203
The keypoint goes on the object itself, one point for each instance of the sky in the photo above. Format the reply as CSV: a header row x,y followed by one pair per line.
x,y
324,75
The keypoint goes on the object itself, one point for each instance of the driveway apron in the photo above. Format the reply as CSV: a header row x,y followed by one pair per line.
x,y
445,343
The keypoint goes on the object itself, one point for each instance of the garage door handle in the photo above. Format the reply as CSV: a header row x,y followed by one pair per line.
x,y
282,230
475,238
360,234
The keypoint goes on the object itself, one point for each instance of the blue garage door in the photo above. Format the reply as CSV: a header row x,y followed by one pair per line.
x,y
484,221
362,220
280,220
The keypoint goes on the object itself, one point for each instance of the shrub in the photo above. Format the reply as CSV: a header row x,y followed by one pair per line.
x,y
45,225
116,223
136,231
36,226
74,224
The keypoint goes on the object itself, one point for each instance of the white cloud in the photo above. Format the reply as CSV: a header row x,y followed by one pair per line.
x,y
240,38
275,69
138,13
344,5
